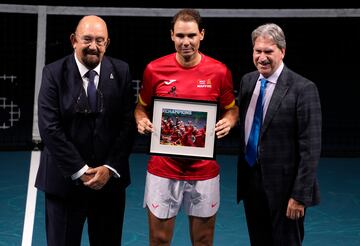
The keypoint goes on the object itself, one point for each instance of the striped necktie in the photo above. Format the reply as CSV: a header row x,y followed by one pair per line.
x,y
91,90
252,144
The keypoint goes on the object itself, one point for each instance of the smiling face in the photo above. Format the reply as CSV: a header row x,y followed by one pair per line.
x,y
267,56
187,37
90,41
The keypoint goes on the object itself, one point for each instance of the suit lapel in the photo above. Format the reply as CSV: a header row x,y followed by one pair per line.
x,y
249,90
73,78
280,91
247,87
107,74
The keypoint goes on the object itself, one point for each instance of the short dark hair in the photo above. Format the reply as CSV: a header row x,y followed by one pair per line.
x,y
187,15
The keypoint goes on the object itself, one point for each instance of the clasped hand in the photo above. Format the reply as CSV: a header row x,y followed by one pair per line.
x,y
96,178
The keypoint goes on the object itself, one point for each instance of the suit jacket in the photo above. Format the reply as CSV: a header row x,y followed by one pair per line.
x,y
72,137
290,140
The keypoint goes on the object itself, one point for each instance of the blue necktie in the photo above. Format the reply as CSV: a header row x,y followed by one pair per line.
x,y
252,144
91,90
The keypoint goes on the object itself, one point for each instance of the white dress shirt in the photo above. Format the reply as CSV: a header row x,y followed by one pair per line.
x,y
83,70
270,86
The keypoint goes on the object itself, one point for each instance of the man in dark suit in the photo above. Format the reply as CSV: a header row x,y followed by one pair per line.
x,y
87,135
279,182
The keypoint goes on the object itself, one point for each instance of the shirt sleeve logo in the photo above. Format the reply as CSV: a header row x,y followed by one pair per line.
x,y
169,82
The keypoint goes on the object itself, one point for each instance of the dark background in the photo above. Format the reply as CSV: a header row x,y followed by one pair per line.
x,y
325,50
18,56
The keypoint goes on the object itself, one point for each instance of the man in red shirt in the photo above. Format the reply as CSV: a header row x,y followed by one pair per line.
x,y
172,183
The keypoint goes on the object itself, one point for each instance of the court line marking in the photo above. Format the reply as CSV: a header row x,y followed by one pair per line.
x,y
30,200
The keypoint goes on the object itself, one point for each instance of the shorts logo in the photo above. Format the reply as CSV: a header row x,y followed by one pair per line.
x,y
169,82
155,205
213,204
203,83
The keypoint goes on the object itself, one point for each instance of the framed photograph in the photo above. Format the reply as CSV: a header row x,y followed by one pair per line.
x,y
183,128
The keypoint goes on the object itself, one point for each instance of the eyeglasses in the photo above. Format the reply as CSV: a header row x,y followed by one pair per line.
x,y
87,40
82,105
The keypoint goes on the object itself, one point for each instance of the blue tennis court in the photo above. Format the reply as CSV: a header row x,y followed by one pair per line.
x,y
335,222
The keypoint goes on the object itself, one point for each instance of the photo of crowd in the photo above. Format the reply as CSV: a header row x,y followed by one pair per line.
x,y
183,128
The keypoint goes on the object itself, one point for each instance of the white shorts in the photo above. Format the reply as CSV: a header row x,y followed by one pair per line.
x,y
164,197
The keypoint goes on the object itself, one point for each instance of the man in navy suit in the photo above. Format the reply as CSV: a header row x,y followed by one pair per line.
x,y
281,182
84,167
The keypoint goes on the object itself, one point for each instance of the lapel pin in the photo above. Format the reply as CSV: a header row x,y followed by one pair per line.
x,y
111,76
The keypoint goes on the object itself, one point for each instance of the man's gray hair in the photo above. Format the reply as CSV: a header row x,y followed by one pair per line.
x,y
270,30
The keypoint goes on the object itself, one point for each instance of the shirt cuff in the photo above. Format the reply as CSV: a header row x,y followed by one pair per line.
x,y
115,173
79,173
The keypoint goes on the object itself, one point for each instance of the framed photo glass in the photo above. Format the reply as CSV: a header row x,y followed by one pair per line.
x,y
183,128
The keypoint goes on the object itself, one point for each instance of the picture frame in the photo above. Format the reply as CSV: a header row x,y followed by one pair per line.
x,y
183,128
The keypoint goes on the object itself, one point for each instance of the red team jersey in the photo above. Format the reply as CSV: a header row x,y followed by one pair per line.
x,y
210,80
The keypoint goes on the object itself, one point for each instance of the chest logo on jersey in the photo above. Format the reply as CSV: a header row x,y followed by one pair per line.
x,y
169,82
203,83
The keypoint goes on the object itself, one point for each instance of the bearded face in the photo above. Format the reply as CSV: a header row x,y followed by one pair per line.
x,y
90,41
